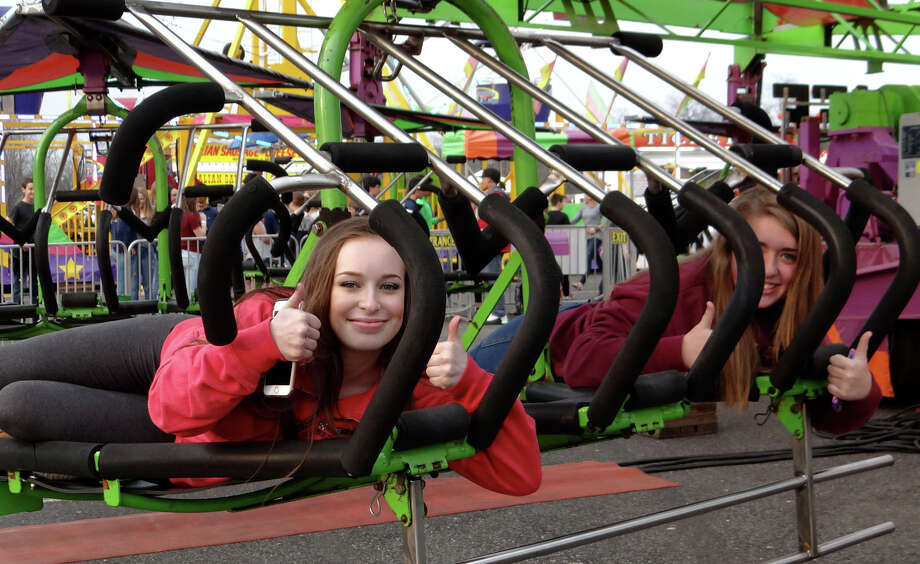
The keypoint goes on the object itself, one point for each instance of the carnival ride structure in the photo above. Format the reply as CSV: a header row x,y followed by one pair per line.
x,y
625,402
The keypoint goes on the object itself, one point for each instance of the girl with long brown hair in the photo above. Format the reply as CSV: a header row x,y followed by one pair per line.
x,y
586,338
162,381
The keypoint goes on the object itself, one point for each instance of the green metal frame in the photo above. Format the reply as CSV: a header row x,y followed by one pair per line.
x,y
759,30
162,202
332,57
788,405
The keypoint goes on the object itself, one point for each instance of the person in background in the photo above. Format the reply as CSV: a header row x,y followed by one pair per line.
x,y
371,184
590,214
555,216
491,183
122,236
144,262
192,228
420,198
209,210
20,217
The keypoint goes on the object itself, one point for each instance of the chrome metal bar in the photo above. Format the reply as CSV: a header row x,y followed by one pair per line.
x,y
346,96
686,129
805,496
725,111
273,18
840,542
414,535
500,125
705,506
254,107
564,110
415,188
186,161
241,162
283,184
49,202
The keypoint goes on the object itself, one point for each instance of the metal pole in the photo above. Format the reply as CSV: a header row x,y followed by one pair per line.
x,y
805,495
348,97
241,162
840,542
60,172
258,111
528,144
701,139
414,534
566,111
726,112
273,18
601,533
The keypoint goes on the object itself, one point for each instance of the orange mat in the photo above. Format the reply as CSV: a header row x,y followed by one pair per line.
x,y
111,537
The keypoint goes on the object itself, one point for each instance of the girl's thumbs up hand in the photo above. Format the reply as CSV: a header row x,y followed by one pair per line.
x,y
448,361
697,336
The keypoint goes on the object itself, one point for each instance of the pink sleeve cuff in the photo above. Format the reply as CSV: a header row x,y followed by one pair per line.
x,y
255,348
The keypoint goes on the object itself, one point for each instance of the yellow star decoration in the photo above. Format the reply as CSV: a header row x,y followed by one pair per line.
x,y
72,270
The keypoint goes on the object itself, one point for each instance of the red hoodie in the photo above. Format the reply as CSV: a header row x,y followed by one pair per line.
x,y
586,339
198,392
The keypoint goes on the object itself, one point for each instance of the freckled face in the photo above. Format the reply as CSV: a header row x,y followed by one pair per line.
x,y
780,258
368,292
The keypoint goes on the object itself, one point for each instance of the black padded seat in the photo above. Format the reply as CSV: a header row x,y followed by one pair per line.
x,y
554,406
17,311
242,460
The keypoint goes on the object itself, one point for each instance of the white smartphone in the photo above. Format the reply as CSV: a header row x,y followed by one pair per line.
x,y
279,380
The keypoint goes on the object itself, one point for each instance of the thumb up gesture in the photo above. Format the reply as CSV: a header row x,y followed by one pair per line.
x,y
295,331
849,378
697,336
448,361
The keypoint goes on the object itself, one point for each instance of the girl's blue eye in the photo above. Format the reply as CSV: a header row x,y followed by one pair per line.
x,y
348,284
390,286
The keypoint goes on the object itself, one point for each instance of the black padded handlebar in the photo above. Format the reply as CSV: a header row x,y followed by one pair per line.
x,y
77,196
703,376
544,279
682,226
103,260
206,191
591,156
645,43
97,9
142,123
769,157
372,157
842,260
664,285
476,248
176,272
237,217
262,165
424,319
905,280
42,227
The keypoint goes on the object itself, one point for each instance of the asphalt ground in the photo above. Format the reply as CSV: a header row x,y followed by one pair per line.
x,y
761,530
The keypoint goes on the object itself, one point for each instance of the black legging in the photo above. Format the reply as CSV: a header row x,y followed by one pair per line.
x,y
85,384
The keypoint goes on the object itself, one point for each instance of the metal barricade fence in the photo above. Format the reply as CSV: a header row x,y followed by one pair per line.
x,y
137,270
14,272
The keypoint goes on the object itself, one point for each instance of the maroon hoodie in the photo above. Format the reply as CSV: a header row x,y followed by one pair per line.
x,y
586,339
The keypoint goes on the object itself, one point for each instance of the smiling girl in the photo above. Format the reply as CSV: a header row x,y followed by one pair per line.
x,y
586,339
156,378
341,332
